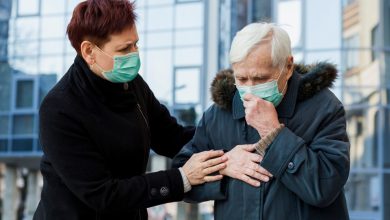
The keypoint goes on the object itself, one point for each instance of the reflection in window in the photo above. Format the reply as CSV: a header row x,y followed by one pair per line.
x,y
363,192
53,27
187,85
159,39
158,64
189,16
27,28
24,94
160,18
352,53
53,7
363,134
4,125
3,145
188,56
375,43
28,7
186,1
23,124
188,38
22,145
51,65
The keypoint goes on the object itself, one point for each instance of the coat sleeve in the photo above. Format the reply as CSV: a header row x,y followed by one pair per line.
x,y
208,191
83,169
168,137
316,171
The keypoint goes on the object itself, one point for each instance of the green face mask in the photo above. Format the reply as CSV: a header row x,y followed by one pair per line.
x,y
125,68
268,91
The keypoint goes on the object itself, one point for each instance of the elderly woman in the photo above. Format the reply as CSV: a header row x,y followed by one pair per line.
x,y
98,124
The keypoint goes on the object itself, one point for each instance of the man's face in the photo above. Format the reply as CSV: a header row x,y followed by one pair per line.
x,y
257,68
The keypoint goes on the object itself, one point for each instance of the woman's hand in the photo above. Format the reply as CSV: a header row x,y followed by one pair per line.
x,y
199,167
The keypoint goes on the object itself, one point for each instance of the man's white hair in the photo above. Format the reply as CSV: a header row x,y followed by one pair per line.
x,y
251,35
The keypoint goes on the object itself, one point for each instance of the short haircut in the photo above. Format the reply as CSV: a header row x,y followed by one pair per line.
x,y
96,20
251,35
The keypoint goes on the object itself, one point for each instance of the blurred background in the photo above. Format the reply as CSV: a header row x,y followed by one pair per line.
x,y
183,43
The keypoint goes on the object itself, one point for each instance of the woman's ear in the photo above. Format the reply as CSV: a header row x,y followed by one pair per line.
x,y
87,53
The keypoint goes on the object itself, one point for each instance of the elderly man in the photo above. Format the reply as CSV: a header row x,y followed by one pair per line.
x,y
283,131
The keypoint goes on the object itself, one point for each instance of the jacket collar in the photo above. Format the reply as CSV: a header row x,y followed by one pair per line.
x,y
286,107
113,94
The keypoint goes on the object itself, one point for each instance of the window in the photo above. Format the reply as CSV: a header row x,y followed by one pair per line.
x,y
24,94
187,85
352,51
186,1
4,124
29,7
25,144
375,43
3,145
363,192
23,125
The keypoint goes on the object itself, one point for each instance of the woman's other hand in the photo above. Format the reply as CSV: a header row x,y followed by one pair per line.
x,y
199,167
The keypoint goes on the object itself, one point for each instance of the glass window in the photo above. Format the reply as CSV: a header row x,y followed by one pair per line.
x,y
187,85
363,133
289,15
22,145
189,16
351,45
24,94
23,124
375,43
386,195
4,125
363,192
186,1
71,5
3,145
25,65
188,56
25,48
386,139
53,27
140,22
189,38
28,7
159,2
159,73
52,47
46,82
51,65
27,28
159,39
53,7
160,18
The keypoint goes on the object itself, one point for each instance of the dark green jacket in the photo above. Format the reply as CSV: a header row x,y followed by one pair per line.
x,y
309,158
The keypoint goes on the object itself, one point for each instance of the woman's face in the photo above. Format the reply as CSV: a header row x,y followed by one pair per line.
x,y
119,44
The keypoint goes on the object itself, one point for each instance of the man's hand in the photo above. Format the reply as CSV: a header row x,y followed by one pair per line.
x,y
260,114
199,167
244,165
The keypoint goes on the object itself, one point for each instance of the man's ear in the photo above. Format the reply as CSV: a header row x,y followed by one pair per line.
x,y
290,66
87,53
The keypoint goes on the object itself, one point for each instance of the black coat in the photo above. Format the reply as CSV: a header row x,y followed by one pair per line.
x,y
96,136
309,159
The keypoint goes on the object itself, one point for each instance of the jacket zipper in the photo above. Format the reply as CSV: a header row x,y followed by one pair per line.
x,y
143,116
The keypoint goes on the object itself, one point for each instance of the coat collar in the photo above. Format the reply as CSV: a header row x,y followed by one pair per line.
x,y
286,107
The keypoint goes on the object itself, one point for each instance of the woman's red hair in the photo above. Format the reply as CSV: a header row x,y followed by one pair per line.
x,y
96,20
